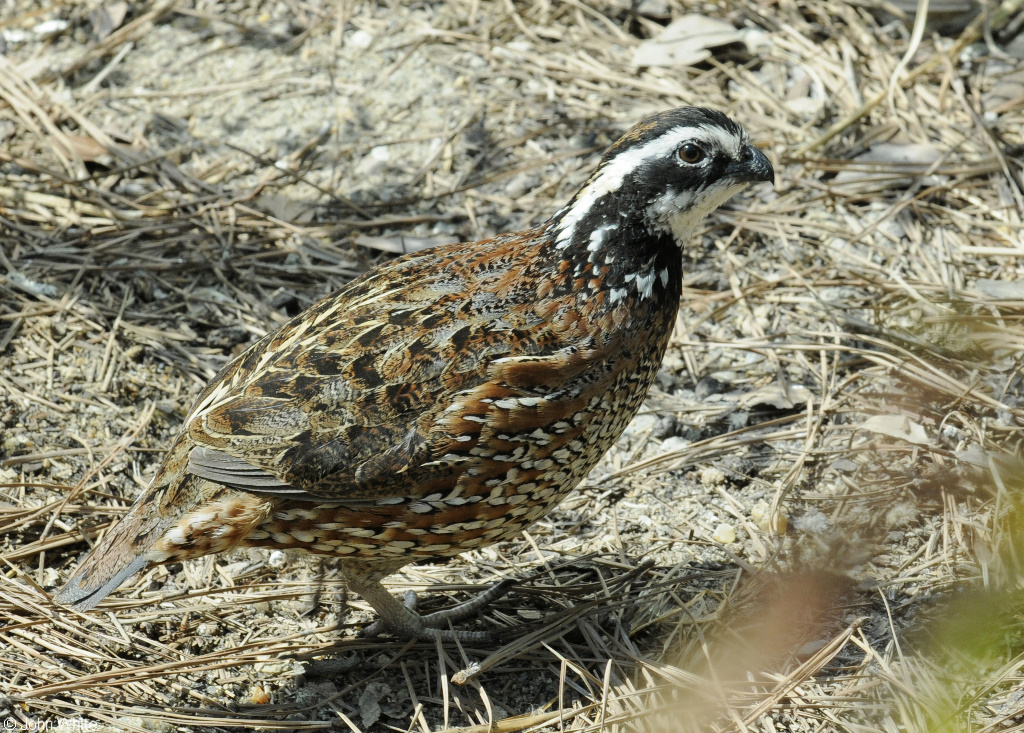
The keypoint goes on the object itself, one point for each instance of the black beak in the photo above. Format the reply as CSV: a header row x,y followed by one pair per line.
x,y
752,167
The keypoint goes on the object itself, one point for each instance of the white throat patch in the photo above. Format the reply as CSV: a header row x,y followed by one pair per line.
x,y
680,214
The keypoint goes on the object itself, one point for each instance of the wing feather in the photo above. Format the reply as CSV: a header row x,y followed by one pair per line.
x,y
384,389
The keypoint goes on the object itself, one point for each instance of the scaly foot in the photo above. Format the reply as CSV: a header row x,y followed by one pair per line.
x,y
403,621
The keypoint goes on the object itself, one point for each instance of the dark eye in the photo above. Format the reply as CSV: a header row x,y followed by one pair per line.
x,y
691,153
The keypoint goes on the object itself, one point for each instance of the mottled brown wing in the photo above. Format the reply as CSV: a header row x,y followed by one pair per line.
x,y
377,391
480,420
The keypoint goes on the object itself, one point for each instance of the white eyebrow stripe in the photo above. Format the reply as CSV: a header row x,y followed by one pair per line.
x,y
612,176
724,140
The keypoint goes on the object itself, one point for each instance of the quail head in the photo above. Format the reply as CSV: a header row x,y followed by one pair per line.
x,y
445,400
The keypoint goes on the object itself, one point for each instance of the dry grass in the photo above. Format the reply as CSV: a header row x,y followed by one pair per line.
x,y
844,385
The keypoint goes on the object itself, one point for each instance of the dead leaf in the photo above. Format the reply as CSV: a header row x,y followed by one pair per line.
x,y
85,148
686,41
896,426
369,702
1000,289
893,165
975,455
107,18
284,208
402,244
774,396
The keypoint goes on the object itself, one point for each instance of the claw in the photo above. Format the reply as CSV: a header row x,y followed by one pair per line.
x,y
402,620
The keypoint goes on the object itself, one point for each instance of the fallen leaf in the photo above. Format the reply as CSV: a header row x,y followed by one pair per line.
x,y
107,18
369,702
894,165
1000,289
685,42
284,208
774,396
896,426
85,148
402,244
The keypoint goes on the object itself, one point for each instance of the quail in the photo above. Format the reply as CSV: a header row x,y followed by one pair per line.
x,y
445,400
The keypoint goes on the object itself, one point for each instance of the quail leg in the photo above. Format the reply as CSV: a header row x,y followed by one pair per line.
x,y
403,621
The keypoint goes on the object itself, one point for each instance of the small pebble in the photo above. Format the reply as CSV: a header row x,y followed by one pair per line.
x,y
761,514
359,39
711,477
50,28
674,443
724,533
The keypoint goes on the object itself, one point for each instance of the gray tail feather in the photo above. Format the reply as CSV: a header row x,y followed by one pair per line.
x,y
82,592
118,556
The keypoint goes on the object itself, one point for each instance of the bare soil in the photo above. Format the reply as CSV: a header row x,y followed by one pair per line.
x,y
815,523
